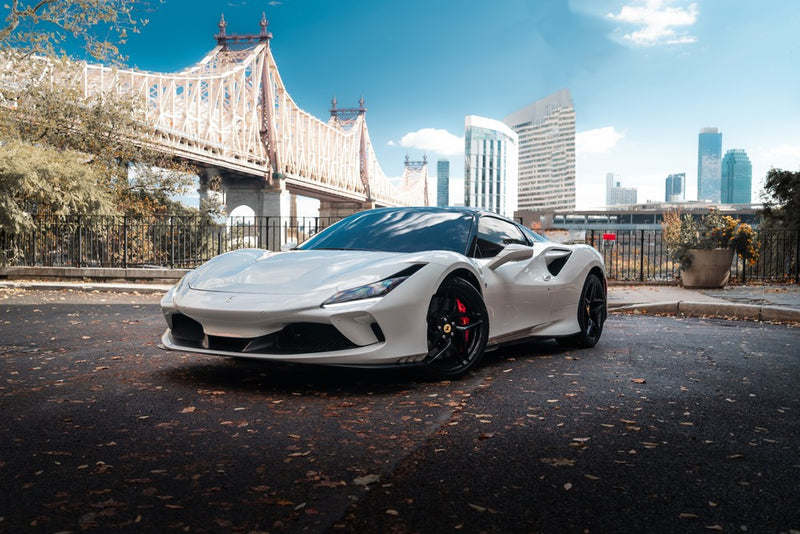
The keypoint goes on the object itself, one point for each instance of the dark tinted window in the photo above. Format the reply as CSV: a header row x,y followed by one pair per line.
x,y
493,236
398,230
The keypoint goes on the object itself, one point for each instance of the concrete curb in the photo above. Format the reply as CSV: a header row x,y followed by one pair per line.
x,y
78,286
727,310
96,274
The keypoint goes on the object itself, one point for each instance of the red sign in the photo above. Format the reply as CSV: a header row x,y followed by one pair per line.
x,y
609,237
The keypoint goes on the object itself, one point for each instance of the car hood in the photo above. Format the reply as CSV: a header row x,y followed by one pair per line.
x,y
256,271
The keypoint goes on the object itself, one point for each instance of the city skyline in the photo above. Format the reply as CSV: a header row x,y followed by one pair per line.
x,y
644,76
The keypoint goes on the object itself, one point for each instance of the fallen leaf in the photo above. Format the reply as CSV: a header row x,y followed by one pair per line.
x,y
366,480
638,380
688,516
558,462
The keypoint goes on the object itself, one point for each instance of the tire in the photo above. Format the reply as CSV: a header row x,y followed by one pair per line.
x,y
591,315
458,329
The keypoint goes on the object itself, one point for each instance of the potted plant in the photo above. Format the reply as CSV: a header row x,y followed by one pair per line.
x,y
704,246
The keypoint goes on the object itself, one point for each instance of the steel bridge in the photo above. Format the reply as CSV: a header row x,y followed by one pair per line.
x,y
213,114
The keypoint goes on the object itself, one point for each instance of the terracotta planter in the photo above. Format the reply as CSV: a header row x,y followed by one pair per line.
x,y
709,268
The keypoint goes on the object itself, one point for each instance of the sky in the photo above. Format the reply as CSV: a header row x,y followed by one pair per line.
x,y
645,75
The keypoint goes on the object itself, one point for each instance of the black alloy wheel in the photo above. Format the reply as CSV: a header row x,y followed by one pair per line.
x,y
458,328
592,314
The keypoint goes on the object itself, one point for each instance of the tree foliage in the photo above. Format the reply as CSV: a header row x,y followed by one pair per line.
x,y
61,181
43,109
51,27
782,200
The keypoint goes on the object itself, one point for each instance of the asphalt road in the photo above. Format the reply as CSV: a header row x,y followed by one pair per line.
x,y
668,425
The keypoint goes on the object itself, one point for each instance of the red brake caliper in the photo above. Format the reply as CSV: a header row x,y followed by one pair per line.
x,y
463,320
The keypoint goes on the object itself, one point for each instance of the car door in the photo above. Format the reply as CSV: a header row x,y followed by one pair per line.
x,y
516,293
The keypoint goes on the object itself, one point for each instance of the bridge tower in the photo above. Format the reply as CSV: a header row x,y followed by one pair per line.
x,y
415,176
266,195
346,119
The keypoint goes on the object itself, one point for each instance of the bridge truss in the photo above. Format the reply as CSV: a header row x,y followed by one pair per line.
x,y
213,113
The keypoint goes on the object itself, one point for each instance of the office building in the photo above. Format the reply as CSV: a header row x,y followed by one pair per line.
x,y
737,177
616,195
490,165
709,165
546,132
442,183
675,190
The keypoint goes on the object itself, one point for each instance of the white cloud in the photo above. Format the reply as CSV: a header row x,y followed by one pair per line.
x,y
657,22
435,141
597,141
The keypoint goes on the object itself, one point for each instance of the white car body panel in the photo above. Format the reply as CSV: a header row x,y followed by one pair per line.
x,y
252,293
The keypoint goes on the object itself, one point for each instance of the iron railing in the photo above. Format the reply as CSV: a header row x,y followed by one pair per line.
x,y
186,242
155,241
641,255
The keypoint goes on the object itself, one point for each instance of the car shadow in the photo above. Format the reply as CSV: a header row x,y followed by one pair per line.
x,y
270,377
273,377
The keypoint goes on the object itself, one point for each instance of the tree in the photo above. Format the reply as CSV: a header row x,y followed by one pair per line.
x,y
43,177
42,105
50,27
782,200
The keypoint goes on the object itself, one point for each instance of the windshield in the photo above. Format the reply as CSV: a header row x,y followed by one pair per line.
x,y
397,230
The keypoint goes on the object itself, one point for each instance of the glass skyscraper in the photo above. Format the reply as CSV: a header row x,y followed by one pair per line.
x,y
709,165
442,183
675,188
737,177
546,132
490,165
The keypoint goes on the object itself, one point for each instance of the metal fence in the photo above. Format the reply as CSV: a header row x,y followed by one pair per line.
x,y
641,255
156,241
186,242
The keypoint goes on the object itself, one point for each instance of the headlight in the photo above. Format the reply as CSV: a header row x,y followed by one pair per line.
x,y
374,290
369,291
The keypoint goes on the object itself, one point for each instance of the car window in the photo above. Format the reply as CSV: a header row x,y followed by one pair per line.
x,y
397,230
493,236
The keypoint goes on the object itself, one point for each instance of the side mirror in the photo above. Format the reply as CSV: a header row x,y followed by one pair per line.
x,y
512,252
289,245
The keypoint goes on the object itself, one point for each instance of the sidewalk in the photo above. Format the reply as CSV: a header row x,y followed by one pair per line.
x,y
780,303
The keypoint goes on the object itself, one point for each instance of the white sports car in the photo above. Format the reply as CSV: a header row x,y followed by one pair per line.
x,y
393,286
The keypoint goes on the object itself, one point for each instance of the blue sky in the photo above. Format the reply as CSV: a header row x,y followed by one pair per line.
x,y
645,76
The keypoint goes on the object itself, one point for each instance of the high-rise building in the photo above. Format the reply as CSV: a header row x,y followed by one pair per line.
x,y
442,183
490,165
546,132
737,177
709,161
616,195
675,188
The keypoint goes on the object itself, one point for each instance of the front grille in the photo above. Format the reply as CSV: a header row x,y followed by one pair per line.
x,y
298,338
295,338
187,330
